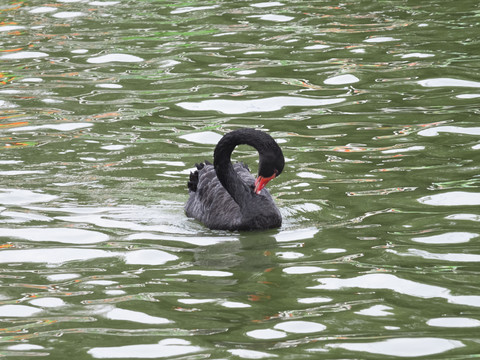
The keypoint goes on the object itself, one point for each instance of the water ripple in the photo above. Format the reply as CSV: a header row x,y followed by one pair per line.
x,y
399,285
404,347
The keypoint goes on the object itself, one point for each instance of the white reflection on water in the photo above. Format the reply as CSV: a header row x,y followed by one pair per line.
x,y
450,322
164,348
79,51
450,129
113,147
467,96
316,47
380,39
135,316
193,8
273,17
115,292
300,327
23,197
194,240
21,172
399,285
267,4
448,82
468,217
123,58
196,301
24,55
234,304
309,175
304,269
254,52
288,255
204,137
246,72
402,150
32,79
144,221
447,238
251,354
51,255
100,282
334,251
207,273
63,235
48,302
148,257
61,255
452,198
293,235
256,105
266,334
109,86
103,3
342,79
376,310
24,347
68,14
221,302
18,311
129,218
21,217
164,162
8,162
11,28
314,300
455,257
5,104
42,10
61,277
59,127
415,55
403,347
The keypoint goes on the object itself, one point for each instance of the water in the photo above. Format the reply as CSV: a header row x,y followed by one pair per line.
x,y
107,105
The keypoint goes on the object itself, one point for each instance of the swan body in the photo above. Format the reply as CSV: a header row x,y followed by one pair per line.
x,y
225,196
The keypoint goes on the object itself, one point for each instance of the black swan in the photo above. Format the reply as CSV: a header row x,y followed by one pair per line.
x,y
225,196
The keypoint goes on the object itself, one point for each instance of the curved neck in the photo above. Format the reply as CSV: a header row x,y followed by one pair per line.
x,y
230,180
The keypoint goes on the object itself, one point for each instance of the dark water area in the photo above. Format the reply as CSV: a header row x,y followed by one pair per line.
x,y
105,108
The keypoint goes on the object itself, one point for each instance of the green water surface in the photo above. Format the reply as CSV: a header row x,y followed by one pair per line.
x,y
105,108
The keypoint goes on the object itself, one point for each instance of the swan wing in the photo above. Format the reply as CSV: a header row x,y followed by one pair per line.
x,y
211,204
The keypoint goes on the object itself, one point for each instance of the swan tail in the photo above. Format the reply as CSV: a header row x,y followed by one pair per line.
x,y
244,165
193,183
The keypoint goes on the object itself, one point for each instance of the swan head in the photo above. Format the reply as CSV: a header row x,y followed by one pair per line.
x,y
271,165
261,181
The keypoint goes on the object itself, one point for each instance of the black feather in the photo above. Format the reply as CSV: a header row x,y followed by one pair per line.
x,y
222,195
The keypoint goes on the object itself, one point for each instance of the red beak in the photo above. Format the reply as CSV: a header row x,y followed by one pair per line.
x,y
261,181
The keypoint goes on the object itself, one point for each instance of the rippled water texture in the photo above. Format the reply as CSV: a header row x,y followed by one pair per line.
x,y
107,105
